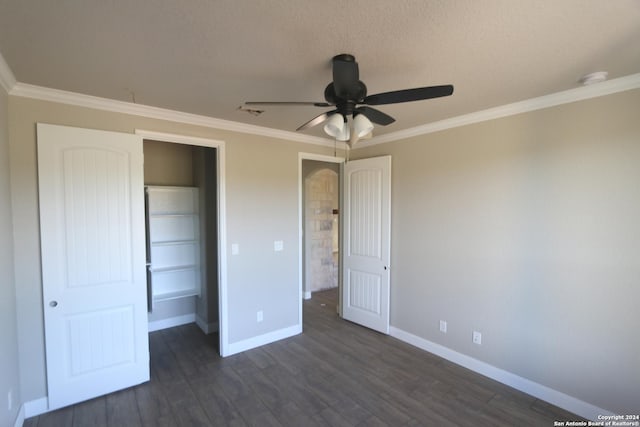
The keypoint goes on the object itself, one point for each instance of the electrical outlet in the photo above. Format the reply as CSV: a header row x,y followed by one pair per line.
x,y
235,249
477,337
278,245
10,400
259,316
443,326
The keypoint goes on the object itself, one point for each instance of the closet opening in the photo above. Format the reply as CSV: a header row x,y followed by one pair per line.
x,y
181,184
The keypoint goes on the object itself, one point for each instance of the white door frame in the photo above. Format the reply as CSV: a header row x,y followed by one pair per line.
x,y
320,158
222,223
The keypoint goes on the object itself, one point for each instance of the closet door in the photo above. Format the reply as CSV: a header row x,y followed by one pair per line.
x,y
93,262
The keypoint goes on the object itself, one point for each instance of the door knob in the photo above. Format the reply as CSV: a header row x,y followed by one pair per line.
x,y
53,304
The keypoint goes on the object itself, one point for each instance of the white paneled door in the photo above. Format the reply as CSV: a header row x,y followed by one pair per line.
x,y
367,237
93,262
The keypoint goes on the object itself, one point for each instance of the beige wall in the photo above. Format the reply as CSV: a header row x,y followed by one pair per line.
x,y
261,185
527,229
9,366
168,164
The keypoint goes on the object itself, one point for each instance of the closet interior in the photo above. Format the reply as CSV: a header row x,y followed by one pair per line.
x,y
181,227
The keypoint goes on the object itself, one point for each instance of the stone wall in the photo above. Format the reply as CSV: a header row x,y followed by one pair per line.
x,y
322,197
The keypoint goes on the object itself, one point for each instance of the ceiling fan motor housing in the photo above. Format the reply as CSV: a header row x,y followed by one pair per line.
x,y
346,102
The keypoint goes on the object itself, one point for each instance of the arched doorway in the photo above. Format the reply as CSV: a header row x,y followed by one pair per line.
x,y
321,226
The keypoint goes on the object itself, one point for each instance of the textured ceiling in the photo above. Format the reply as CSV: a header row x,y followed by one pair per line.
x,y
209,56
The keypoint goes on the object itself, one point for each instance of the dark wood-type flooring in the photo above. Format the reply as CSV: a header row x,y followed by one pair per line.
x,y
335,373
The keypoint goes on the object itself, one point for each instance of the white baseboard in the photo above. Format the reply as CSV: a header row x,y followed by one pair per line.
x,y
207,328
307,295
20,417
170,322
36,407
540,391
260,340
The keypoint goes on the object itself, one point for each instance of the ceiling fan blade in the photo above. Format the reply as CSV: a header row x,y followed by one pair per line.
x,y
376,116
345,74
408,95
317,120
315,104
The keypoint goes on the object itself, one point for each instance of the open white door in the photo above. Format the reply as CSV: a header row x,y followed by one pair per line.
x,y
367,238
93,262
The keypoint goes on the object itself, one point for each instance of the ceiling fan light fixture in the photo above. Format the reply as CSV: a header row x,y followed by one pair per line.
x,y
337,127
346,133
362,126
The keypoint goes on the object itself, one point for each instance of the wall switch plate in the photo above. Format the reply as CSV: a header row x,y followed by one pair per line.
x,y
278,245
477,337
443,326
235,249
10,400
259,316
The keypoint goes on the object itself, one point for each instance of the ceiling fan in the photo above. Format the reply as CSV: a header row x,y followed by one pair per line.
x,y
348,94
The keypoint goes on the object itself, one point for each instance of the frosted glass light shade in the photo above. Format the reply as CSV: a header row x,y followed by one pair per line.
x,y
337,127
361,126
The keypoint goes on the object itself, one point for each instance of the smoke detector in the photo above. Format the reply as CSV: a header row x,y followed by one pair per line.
x,y
591,78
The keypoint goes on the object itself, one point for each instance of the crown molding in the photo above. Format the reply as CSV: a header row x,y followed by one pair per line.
x,y
71,98
14,88
7,79
565,97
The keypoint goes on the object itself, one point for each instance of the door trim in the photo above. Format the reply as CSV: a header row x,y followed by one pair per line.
x,y
219,145
321,158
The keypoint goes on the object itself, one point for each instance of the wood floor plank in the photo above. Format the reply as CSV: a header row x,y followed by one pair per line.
x,y
57,418
217,405
251,408
469,407
512,409
352,381
122,409
551,411
153,405
373,421
190,416
277,400
91,413
295,389
291,415
330,417
254,412
31,422
422,408
261,358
